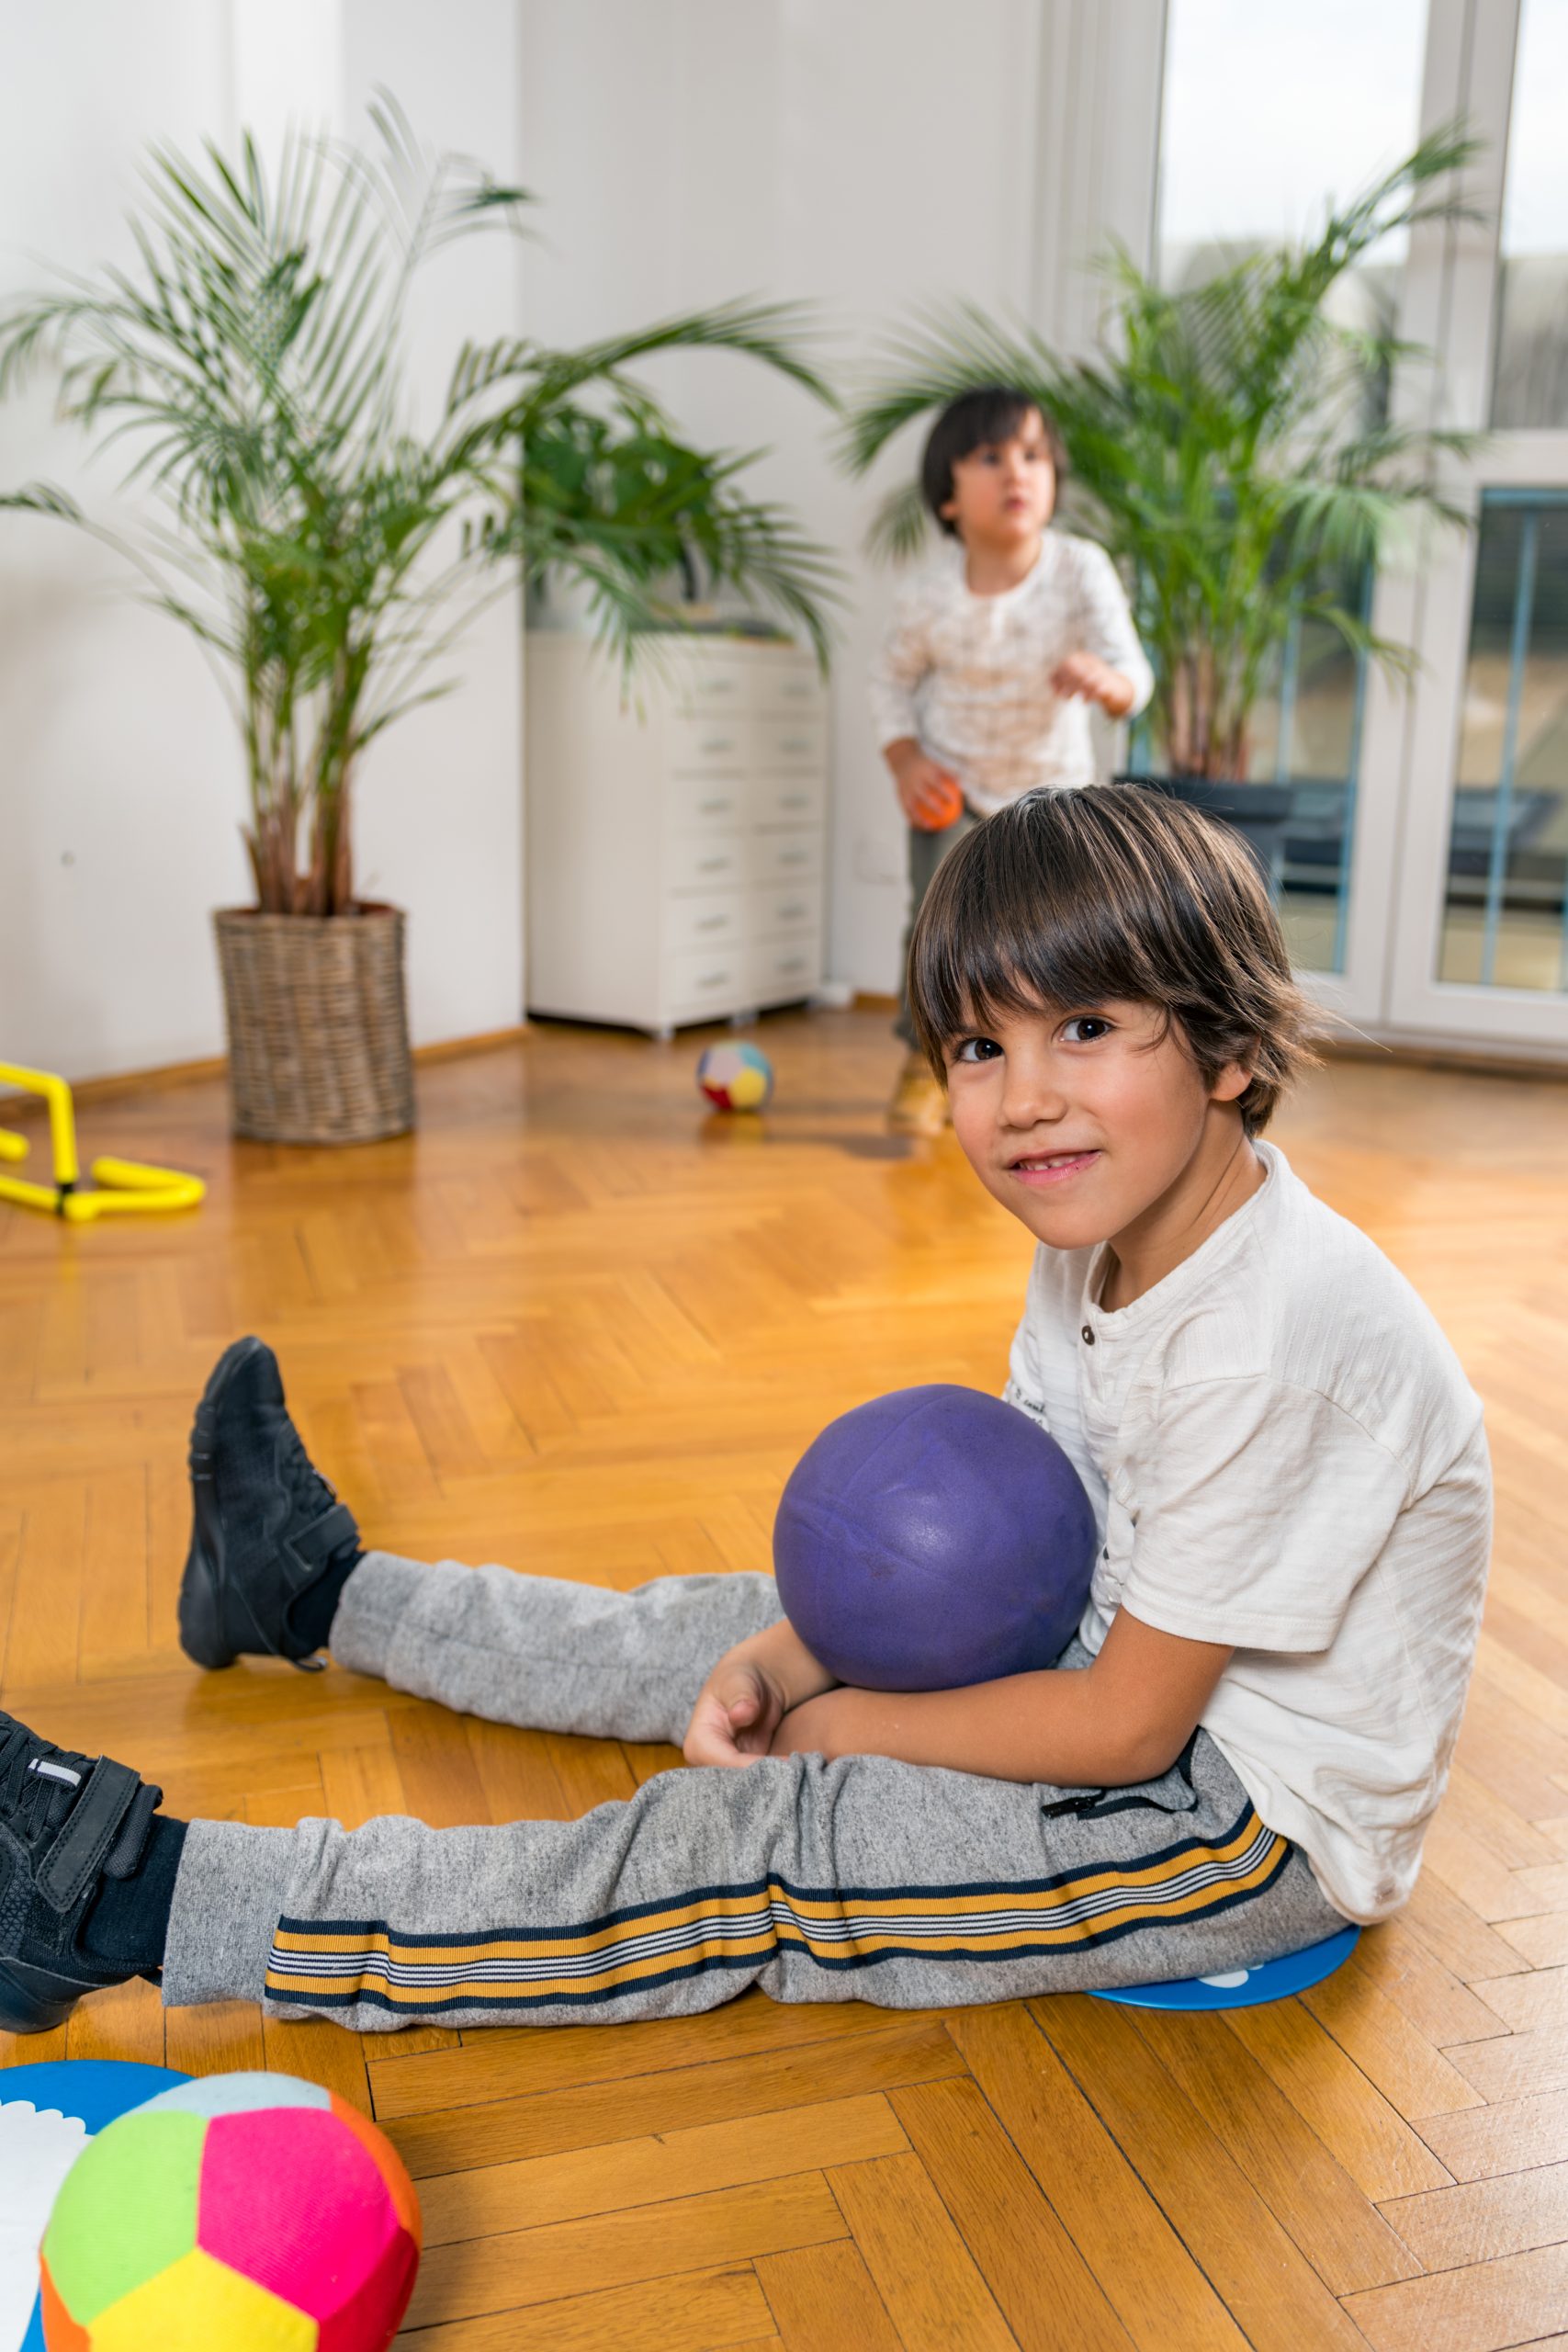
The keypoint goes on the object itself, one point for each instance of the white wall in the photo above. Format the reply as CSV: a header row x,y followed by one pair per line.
x,y
867,157
120,779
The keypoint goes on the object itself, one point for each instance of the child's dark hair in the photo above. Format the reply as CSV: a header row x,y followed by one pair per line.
x,y
1071,899
974,421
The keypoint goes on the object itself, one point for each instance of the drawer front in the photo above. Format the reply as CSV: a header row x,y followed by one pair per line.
x,y
703,920
705,861
775,913
791,689
790,743
713,981
788,800
706,804
786,858
702,745
708,682
785,967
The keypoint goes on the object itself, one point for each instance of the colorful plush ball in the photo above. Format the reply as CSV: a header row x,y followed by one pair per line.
x,y
246,2211
735,1077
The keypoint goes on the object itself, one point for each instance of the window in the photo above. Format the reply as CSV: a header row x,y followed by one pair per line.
x,y
1508,868
1530,386
1271,113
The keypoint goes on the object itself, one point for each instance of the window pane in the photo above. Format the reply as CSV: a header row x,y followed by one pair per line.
x,y
1271,111
1508,893
1530,386
1270,114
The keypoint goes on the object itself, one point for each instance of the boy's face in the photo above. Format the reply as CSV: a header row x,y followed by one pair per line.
x,y
1004,492
1088,1124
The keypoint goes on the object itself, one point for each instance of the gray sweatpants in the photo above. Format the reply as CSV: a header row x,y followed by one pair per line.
x,y
859,1880
926,853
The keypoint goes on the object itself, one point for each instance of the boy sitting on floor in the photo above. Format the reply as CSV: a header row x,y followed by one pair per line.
x,y
1241,1749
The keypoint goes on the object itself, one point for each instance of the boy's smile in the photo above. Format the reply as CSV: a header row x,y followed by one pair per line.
x,y
1098,1125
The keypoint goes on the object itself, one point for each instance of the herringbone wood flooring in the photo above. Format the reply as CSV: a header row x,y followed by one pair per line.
x,y
577,1324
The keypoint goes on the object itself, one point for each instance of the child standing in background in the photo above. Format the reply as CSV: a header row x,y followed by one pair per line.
x,y
995,651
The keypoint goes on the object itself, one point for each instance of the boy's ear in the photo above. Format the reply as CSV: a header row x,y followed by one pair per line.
x,y
1231,1083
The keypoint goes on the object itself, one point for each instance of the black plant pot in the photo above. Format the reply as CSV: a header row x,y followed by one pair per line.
x,y
1259,812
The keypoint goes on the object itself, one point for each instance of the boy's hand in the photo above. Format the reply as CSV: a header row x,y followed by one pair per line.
x,y
924,789
738,1710
1085,677
748,1695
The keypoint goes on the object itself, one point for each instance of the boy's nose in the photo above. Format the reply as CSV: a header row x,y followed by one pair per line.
x,y
1032,1098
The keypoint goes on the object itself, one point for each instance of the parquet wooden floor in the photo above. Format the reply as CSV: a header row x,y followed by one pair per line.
x,y
578,1324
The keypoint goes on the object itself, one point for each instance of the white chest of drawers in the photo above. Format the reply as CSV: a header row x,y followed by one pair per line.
x,y
675,850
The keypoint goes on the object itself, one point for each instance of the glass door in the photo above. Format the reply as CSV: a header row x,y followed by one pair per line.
x,y
1269,115
1424,885
1478,939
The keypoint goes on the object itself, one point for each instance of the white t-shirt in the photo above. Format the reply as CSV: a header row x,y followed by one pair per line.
x,y
1284,1454
970,676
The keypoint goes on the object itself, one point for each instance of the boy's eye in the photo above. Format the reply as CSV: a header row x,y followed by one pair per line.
x,y
976,1049
1085,1029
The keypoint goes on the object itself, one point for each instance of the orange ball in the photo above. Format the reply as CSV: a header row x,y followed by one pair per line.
x,y
951,810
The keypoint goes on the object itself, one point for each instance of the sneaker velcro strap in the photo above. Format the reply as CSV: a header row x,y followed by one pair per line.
x,y
78,1853
314,1545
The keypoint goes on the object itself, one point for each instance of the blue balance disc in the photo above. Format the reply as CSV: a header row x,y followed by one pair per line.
x,y
93,2091
1244,1988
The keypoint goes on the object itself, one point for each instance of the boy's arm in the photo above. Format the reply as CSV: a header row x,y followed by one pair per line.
x,y
1122,1720
1110,667
904,659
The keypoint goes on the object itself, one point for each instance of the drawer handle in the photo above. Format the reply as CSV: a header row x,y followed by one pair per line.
x,y
795,743
714,808
713,864
714,922
791,964
716,686
796,857
794,800
788,915
720,743
712,979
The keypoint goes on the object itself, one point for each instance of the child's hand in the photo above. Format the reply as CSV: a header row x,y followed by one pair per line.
x,y
1085,677
924,789
738,1710
748,1695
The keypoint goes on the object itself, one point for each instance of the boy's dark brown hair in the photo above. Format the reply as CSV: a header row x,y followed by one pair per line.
x,y
1071,899
979,420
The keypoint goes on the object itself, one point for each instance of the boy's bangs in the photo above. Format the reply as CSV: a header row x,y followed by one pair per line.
x,y
1016,941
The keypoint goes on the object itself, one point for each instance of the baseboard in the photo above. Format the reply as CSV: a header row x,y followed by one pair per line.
x,y
165,1075
1469,1062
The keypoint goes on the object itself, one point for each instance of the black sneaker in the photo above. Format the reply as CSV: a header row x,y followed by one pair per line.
x,y
266,1525
67,1823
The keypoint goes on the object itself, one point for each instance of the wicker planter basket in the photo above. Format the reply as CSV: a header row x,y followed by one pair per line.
x,y
318,1025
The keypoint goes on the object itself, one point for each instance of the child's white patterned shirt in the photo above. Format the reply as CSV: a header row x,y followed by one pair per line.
x,y
970,676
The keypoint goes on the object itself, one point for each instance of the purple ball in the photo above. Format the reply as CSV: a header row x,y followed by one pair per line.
x,y
932,1538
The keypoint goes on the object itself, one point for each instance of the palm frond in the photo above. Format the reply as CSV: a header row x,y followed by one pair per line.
x,y
246,368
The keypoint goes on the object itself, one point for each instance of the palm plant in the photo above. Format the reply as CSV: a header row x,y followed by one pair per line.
x,y
324,552
1230,446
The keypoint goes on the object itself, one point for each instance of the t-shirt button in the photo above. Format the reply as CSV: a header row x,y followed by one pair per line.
x,y
1087,1335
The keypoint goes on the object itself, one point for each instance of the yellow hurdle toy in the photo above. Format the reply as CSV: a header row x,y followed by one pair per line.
x,y
125,1186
